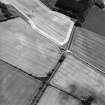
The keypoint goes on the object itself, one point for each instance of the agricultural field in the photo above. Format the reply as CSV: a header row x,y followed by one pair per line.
x,y
46,59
